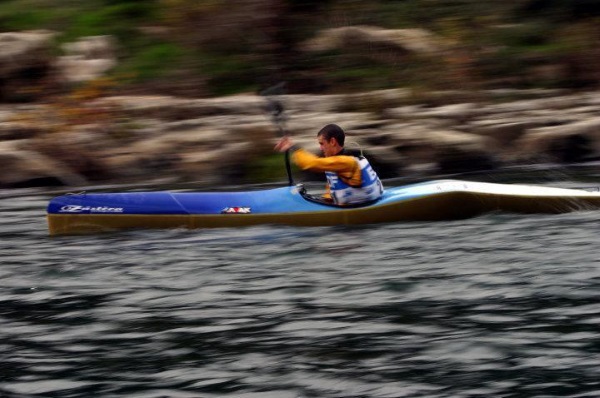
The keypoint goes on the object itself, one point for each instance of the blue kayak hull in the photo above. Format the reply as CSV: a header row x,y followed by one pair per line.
x,y
435,200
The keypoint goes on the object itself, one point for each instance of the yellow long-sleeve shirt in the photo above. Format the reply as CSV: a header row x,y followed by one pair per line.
x,y
346,167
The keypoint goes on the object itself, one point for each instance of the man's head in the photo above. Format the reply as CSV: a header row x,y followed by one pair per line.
x,y
331,139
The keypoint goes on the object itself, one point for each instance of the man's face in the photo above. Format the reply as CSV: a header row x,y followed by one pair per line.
x,y
329,148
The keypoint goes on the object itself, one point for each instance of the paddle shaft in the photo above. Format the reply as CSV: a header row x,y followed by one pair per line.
x,y
276,109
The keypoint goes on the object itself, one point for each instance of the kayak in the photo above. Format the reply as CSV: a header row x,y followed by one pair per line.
x,y
429,201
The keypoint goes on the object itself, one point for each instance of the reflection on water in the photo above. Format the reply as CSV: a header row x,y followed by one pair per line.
x,y
499,305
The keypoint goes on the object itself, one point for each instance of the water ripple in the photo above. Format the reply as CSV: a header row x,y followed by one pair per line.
x,y
493,306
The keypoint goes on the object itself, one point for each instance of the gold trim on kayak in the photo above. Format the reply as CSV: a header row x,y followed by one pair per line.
x,y
443,206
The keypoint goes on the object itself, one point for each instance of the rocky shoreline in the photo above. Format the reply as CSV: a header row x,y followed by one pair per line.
x,y
62,124
132,139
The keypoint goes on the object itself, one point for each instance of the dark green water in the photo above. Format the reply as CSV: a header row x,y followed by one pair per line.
x,y
495,306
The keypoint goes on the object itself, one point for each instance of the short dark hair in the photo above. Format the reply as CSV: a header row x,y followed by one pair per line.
x,y
333,131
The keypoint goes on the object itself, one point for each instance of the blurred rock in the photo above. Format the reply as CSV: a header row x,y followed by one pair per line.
x,y
30,168
86,59
173,108
573,142
16,130
454,113
20,50
25,63
441,150
418,41
214,140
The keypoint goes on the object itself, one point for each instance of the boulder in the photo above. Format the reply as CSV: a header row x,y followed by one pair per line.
x,y
502,133
311,103
573,142
27,168
88,58
405,41
25,64
455,113
169,108
17,130
24,50
423,147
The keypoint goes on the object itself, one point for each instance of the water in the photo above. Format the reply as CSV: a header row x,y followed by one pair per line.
x,y
495,306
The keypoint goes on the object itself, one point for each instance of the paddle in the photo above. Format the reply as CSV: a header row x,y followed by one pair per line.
x,y
276,109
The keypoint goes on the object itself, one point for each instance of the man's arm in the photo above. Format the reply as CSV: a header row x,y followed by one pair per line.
x,y
345,166
337,164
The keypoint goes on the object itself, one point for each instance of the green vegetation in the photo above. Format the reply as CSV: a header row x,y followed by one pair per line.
x,y
152,61
224,47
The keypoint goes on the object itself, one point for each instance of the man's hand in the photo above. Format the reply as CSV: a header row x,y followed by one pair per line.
x,y
284,144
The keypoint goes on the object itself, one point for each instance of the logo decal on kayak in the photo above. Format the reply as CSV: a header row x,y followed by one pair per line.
x,y
236,210
83,209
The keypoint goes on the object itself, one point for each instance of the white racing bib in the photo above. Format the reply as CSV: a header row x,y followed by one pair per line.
x,y
344,194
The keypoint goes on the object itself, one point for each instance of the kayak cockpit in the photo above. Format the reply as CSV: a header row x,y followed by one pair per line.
x,y
319,199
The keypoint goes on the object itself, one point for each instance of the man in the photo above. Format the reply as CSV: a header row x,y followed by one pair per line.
x,y
350,180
